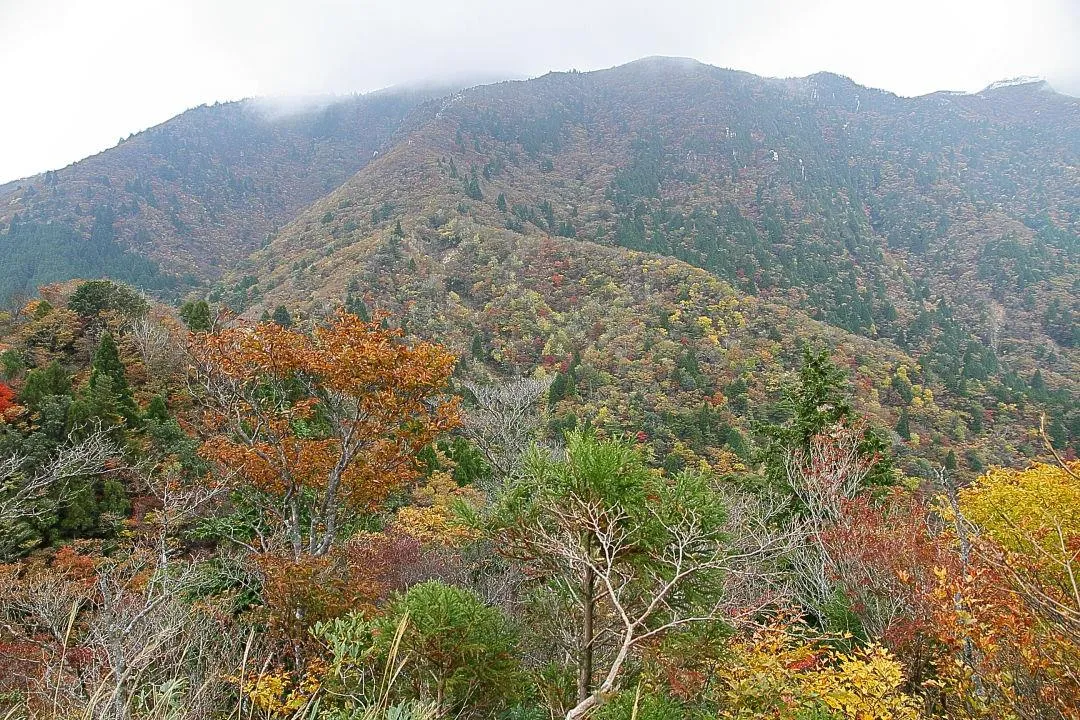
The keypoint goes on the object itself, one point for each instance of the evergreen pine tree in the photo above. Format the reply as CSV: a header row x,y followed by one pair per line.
x,y
903,426
282,317
79,515
157,410
196,315
977,421
44,382
1037,382
355,304
478,347
562,387
472,186
106,365
114,500
816,403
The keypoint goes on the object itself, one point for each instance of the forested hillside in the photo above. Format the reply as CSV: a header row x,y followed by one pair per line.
x,y
297,519
484,227
197,193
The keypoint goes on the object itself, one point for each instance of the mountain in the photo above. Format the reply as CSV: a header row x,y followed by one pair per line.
x,y
938,234
184,201
813,186
663,235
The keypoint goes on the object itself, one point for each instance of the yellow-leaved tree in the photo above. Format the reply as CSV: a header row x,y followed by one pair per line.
x,y
777,673
1020,597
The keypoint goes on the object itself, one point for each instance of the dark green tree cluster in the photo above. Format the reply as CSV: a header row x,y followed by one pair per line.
x,y
815,403
36,254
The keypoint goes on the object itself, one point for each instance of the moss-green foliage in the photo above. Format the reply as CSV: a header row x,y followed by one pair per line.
x,y
817,402
282,316
96,508
196,315
35,254
648,705
455,650
108,377
465,461
107,400
94,297
41,383
561,497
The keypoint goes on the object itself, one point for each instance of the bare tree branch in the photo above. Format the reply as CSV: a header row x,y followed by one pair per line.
x,y
505,419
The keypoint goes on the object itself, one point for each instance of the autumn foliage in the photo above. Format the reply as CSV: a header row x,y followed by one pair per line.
x,y
1019,613
775,673
9,409
7,398
321,420
304,533
353,576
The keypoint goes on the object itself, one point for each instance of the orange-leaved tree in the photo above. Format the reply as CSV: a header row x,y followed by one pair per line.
x,y
323,420
1021,595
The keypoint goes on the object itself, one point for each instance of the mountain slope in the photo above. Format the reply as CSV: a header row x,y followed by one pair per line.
x,y
853,201
199,192
457,228
933,241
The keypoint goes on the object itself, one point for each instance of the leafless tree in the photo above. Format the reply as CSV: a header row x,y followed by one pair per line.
x,y
760,548
144,636
506,419
995,322
822,478
123,641
158,348
645,598
178,503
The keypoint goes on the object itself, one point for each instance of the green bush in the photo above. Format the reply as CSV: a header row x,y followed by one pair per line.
x,y
436,644
458,652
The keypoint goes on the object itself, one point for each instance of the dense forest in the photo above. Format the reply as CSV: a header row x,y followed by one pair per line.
x,y
657,392
324,517
556,223
38,254
198,193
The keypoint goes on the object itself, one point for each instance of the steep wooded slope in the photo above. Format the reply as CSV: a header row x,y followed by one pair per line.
x,y
193,195
486,224
939,234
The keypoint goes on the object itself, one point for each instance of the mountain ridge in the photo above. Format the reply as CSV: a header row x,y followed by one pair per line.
x,y
201,190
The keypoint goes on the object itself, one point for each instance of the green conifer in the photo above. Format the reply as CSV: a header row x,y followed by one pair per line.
x,y
109,388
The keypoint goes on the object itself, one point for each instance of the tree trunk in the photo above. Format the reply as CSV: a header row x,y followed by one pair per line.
x,y
585,642
607,687
296,533
121,695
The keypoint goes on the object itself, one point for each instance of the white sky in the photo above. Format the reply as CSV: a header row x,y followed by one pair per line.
x,y
80,74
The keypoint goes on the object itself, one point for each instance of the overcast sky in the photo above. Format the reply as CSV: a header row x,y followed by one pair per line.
x,y
80,74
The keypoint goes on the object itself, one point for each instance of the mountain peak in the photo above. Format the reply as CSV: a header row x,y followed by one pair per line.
x,y
1034,83
831,78
665,61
